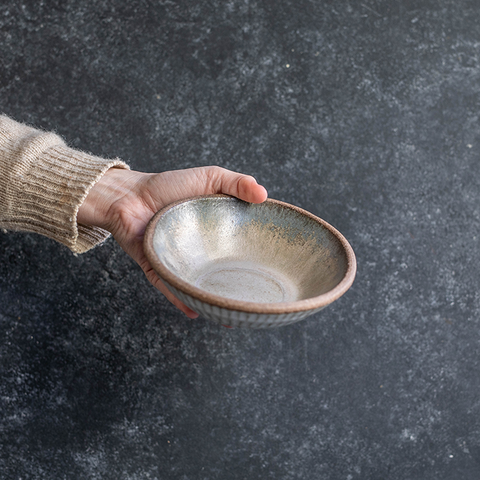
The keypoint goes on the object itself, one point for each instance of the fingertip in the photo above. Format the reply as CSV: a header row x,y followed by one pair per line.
x,y
180,305
191,314
258,193
159,285
252,191
186,310
262,194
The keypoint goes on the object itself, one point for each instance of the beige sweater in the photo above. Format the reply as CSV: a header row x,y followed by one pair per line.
x,y
43,183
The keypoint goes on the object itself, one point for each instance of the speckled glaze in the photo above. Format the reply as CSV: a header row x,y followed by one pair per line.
x,y
248,265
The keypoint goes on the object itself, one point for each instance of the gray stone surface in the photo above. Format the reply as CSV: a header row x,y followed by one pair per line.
x,y
365,113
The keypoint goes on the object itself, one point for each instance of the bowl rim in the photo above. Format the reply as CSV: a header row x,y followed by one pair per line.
x,y
312,303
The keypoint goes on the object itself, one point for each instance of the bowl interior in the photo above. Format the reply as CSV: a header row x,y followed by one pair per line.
x,y
265,253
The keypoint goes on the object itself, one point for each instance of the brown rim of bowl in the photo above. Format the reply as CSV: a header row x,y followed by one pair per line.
x,y
239,305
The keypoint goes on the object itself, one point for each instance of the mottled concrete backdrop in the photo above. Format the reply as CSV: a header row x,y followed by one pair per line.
x,y
365,113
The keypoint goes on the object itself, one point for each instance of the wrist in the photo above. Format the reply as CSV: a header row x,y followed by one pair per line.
x,y
98,207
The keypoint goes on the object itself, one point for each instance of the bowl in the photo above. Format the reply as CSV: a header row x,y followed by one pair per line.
x,y
248,265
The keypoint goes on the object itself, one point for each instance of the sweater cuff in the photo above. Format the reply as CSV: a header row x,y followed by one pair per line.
x,y
54,189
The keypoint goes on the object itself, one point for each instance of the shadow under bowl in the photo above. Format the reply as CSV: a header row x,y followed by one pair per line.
x,y
248,265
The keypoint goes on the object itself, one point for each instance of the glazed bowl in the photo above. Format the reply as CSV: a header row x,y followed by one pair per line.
x,y
248,265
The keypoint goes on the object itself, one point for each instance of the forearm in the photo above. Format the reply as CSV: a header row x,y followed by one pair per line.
x,y
43,183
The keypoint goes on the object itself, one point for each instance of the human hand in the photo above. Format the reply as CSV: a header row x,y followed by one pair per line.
x,y
123,202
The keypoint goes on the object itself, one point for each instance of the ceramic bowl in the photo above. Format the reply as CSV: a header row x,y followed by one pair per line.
x,y
248,265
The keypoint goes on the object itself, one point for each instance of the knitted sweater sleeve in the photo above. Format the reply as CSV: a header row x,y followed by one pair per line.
x,y
43,183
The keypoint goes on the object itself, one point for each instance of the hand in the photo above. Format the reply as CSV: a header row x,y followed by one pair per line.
x,y
123,202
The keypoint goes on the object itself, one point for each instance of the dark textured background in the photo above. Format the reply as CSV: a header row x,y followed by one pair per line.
x,y
365,113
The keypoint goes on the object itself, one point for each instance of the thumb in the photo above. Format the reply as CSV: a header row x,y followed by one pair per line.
x,y
245,187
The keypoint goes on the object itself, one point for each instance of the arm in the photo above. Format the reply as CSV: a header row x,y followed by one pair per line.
x,y
79,199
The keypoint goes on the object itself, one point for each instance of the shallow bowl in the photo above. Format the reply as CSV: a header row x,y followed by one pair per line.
x,y
248,265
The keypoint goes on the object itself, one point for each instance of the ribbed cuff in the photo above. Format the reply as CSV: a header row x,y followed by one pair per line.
x,y
53,189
